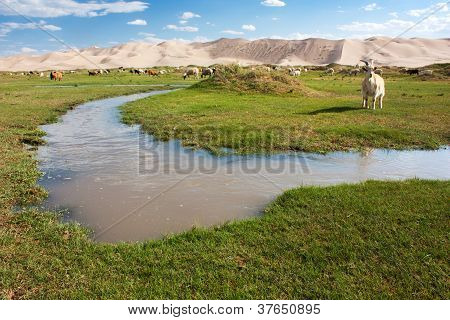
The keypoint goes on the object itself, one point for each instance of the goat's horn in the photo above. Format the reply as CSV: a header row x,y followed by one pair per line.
x,y
367,64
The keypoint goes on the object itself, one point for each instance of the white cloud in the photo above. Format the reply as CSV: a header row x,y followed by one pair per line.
x,y
299,36
393,26
249,27
393,14
7,27
138,22
189,15
273,3
371,7
146,34
151,38
50,27
236,33
441,7
275,19
437,22
183,21
27,50
200,39
302,36
59,8
178,28
357,26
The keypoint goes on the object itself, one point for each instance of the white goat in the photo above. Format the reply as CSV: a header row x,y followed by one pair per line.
x,y
426,73
354,72
191,72
295,72
330,71
379,72
372,86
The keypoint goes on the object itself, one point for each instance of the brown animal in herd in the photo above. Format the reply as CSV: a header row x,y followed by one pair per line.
x,y
152,73
56,75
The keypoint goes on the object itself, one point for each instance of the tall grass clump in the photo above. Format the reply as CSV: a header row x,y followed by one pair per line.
x,y
256,80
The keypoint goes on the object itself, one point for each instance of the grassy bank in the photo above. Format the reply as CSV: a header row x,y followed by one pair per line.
x,y
24,106
257,112
371,240
377,240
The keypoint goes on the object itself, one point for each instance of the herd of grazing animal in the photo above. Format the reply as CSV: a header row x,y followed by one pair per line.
x,y
372,87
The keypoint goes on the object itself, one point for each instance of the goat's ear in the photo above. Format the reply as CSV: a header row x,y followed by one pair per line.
x,y
375,68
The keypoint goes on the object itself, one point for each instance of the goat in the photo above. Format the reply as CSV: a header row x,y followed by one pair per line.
x,y
295,73
207,72
412,71
330,71
191,72
379,72
372,86
152,72
354,72
56,75
426,73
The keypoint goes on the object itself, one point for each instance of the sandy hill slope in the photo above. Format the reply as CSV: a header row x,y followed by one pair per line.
x,y
386,51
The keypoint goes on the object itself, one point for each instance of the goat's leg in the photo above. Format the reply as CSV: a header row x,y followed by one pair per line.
x,y
381,102
374,102
364,102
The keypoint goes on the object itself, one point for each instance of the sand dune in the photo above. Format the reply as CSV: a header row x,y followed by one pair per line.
x,y
385,51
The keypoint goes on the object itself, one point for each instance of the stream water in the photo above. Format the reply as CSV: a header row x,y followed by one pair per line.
x,y
126,186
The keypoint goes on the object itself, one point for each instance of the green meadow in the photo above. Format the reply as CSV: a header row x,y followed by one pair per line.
x,y
373,240
321,114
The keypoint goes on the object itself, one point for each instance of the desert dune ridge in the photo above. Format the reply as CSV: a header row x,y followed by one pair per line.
x,y
414,52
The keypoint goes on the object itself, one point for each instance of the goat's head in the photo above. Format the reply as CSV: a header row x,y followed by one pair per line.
x,y
369,68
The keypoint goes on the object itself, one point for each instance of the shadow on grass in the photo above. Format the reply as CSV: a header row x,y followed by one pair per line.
x,y
332,110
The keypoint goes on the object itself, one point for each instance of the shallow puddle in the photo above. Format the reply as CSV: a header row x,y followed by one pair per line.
x,y
126,186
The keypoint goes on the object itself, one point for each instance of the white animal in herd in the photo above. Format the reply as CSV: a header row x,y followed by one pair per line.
x,y
426,73
191,72
295,72
372,86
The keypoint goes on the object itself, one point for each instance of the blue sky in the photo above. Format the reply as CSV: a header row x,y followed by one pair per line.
x,y
26,25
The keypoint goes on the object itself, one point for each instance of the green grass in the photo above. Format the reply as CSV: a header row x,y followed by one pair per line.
x,y
24,106
322,114
376,240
